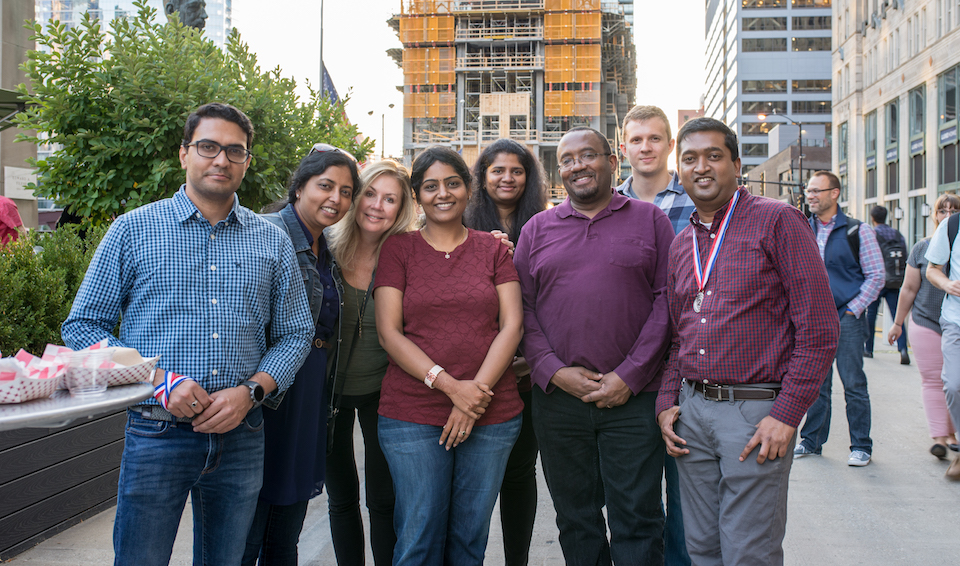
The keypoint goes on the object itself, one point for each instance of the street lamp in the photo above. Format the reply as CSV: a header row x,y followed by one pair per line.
x,y
801,200
383,130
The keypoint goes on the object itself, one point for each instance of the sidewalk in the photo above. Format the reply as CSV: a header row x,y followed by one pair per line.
x,y
898,510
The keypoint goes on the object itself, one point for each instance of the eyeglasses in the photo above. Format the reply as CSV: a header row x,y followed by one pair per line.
x,y
587,158
211,149
325,147
947,211
813,192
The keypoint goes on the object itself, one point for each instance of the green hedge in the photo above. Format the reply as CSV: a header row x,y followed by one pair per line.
x,y
39,277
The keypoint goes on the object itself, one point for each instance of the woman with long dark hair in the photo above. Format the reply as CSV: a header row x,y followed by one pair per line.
x,y
508,190
320,192
450,317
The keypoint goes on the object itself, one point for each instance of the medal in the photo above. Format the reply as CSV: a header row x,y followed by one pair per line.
x,y
701,274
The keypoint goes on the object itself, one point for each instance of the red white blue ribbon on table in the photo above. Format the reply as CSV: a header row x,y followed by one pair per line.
x,y
703,274
163,390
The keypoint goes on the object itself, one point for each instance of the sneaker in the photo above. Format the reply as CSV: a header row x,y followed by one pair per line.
x,y
800,451
858,458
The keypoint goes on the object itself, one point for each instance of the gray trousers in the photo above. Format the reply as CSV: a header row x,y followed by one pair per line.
x,y
734,513
950,345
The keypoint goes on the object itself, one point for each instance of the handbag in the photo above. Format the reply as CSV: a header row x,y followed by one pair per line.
x,y
335,395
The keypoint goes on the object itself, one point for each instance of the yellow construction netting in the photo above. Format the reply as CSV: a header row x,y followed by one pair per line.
x,y
572,64
571,103
424,29
567,25
430,105
429,65
571,5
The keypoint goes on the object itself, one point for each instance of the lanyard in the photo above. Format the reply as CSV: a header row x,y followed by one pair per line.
x,y
703,275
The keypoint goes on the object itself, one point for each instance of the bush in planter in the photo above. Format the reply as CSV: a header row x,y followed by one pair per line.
x,y
39,277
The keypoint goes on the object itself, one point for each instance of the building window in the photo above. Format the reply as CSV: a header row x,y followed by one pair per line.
x,y
870,134
818,22
918,224
893,122
754,45
842,149
765,24
811,3
948,164
916,127
819,85
893,177
764,4
947,83
755,128
811,43
754,150
811,106
764,86
763,107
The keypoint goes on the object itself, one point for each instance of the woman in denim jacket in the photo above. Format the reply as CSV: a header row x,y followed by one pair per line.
x,y
321,191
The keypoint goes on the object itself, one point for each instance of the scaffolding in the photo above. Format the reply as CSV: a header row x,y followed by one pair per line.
x,y
479,70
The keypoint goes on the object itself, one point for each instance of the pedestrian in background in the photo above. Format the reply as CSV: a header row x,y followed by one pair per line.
x,y
383,207
926,302
508,190
893,248
450,318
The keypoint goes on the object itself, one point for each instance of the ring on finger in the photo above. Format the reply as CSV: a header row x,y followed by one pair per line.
x,y
194,404
463,433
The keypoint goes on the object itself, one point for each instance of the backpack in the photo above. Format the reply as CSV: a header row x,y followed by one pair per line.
x,y
894,253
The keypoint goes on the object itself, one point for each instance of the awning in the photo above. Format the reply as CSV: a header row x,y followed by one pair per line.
x,y
10,104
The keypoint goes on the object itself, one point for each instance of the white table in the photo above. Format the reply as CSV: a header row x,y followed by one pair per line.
x,y
60,409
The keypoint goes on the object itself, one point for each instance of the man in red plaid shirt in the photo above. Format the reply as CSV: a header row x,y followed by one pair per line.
x,y
755,330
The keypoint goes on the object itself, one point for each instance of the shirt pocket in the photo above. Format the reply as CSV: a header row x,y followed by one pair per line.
x,y
632,253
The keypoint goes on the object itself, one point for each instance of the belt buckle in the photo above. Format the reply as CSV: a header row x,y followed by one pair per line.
x,y
710,390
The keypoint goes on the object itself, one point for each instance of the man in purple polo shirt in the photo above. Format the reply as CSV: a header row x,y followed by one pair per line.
x,y
593,272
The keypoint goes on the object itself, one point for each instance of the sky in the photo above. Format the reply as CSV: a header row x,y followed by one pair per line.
x,y
669,36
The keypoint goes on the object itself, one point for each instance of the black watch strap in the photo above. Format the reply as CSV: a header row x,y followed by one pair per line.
x,y
256,392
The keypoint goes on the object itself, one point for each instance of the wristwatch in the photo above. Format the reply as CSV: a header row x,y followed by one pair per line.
x,y
432,376
256,392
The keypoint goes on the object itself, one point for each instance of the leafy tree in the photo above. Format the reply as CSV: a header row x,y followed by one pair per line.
x,y
116,103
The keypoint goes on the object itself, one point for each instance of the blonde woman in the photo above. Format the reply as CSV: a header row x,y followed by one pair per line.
x,y
383,207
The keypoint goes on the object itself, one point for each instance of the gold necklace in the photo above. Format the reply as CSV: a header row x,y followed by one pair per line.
x,y
356,294
434,246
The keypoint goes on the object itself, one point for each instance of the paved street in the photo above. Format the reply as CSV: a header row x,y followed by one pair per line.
x,y
898,510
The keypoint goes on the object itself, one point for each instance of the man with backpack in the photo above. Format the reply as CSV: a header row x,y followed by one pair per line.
x,y
894,250
855,268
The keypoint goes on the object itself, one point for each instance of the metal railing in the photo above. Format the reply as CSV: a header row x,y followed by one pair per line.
x,y
509,32
500,60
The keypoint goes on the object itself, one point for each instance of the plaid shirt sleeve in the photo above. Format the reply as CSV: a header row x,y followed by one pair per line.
x,y
871,262
96,308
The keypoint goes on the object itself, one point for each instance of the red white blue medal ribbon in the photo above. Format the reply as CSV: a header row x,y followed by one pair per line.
x,y
701,273
163,390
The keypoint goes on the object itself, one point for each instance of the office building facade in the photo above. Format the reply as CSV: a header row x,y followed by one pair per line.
x,y
765,57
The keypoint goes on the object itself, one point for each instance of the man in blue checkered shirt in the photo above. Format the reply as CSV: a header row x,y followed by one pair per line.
x,y
647,143
215,291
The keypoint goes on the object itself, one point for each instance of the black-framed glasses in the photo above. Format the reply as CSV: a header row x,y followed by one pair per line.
x,y
586,158
811,192
325,147
210,149
947,211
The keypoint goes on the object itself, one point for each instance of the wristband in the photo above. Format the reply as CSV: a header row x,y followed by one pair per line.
x,y
432,376
163,390
897,324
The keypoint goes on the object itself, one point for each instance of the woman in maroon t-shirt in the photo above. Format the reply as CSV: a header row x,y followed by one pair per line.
x,y
449,316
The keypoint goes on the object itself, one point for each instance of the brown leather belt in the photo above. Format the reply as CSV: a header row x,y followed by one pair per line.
x,y
734,392
321,344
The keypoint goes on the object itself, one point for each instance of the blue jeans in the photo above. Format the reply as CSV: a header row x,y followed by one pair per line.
x,y
163,463
603,457
891,296
274,534
816,429
444,498
674,541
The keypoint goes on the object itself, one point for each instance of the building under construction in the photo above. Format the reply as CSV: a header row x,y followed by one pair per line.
x,y
479,70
